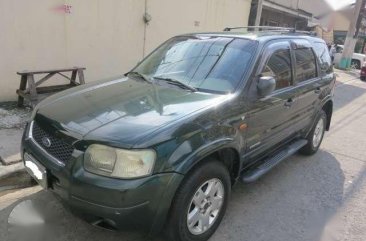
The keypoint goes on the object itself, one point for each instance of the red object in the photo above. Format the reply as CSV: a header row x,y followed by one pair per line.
x,y
66,9
363,73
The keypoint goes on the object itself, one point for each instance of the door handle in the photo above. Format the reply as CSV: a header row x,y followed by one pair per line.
x,y
317,90
289,102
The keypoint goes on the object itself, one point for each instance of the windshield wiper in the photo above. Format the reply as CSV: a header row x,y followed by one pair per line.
x,y
177,83
141,76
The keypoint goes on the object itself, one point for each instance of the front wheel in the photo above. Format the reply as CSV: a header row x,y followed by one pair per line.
x,y
316,135
200,203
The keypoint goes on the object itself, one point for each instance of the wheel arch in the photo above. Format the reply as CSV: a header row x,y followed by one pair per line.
x,y
328,109
226,152
230,158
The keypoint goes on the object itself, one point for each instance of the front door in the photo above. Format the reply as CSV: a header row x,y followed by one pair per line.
x,y
269,118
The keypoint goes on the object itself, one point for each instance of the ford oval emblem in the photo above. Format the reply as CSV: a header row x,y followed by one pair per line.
x,y
46,141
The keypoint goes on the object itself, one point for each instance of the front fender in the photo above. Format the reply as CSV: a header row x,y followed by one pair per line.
x,y
180,154
205,150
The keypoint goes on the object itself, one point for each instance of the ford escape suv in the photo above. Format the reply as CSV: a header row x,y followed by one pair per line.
x,y
160,148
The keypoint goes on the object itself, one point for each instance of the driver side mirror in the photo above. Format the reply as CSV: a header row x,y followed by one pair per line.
x,y
266,85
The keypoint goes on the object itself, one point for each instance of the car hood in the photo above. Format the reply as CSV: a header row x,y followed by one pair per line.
x,y
123,110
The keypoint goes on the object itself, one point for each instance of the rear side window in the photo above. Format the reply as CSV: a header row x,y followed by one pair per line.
x,y
305,64
322,52
279,67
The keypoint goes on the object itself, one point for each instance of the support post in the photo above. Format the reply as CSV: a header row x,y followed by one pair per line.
x,y
259,13
351,38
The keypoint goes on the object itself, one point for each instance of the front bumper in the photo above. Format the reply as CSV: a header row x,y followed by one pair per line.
x,y
141,203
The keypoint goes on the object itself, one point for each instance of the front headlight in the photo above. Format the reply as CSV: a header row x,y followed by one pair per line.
x,y
114,162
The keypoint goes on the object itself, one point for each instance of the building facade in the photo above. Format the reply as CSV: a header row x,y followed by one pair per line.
x,y
297,14
106,37
341,21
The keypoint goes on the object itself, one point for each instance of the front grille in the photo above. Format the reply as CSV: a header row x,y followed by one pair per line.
x,y
58,148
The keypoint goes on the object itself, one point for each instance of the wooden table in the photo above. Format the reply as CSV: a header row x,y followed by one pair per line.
x,y
33,90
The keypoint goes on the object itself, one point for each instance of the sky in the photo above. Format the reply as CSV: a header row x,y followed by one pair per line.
x,y
337,4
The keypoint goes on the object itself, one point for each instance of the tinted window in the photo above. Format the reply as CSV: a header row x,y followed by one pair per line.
x,y
305,64
207,63
279,67
322,52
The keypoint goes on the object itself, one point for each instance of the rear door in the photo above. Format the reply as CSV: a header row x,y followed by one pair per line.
x,y
308,84
270,117
310,80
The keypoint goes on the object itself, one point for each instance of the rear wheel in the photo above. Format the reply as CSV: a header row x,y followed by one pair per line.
x,y
355,64
316,135
200,203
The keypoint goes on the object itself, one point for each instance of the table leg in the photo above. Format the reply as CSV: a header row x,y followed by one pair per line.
x,y
32,88
73,77
22,86
81,76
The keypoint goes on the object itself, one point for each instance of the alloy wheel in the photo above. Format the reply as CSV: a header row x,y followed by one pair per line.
x,y
318,133
205,206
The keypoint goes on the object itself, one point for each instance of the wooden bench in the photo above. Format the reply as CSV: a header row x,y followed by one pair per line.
x,y
33,90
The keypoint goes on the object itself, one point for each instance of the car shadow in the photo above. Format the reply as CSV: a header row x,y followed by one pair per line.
x,y
64,225
347,93
293,202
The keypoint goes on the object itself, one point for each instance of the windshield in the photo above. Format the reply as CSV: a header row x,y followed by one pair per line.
x,y
213,64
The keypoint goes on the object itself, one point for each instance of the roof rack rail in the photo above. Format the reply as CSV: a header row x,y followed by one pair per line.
x,y
260,27
272,29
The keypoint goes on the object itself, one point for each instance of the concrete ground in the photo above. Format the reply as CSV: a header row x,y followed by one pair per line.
x,y
317,198
12,122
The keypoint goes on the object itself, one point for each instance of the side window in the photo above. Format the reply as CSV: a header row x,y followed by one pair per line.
x,y
305,64
279,67
322,52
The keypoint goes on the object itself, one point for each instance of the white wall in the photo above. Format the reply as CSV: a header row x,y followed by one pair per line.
x,y
316,7
172,17
105,36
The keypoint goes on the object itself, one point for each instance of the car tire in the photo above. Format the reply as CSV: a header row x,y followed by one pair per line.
x,y
315,137
356,64
210,174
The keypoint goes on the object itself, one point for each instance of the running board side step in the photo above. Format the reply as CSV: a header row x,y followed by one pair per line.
x,y
255,173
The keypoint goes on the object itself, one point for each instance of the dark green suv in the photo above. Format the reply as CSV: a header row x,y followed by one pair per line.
x,y
161,147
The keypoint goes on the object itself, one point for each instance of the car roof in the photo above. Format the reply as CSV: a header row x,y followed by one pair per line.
x,y
261,36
